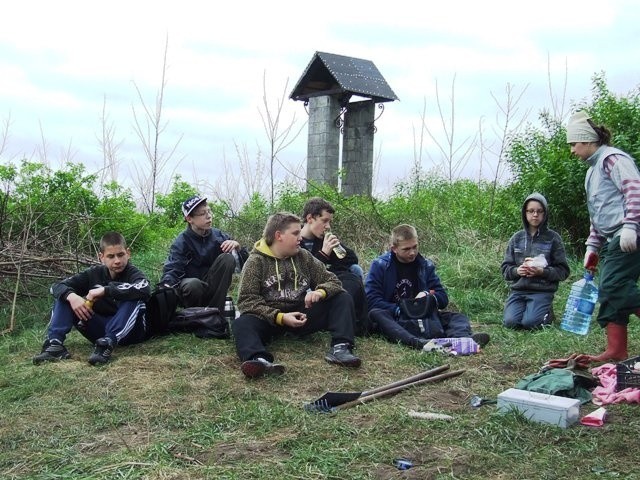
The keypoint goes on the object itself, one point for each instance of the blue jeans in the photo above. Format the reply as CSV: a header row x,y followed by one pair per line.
x,y
357,270
127,326
528,310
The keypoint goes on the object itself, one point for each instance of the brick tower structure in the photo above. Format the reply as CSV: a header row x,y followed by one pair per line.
x,y
328,87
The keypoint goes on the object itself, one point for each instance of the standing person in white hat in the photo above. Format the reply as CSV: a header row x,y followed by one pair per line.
x,y
613,199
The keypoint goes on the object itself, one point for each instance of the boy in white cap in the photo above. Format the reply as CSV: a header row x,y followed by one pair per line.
x,y
202,259
613,199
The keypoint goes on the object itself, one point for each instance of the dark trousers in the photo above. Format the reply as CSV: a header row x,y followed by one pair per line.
x,y
336,315
618,291
354,286
213,289
406,331
126,327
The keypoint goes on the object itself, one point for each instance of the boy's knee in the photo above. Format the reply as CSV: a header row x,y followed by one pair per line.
x,y
226,260
192,288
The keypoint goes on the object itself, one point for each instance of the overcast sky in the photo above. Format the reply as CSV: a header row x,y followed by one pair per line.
x,y
62,62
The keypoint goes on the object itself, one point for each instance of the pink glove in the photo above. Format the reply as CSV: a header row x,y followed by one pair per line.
x,y
591,259
628,239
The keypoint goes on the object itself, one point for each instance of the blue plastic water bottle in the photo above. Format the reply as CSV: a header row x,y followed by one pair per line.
x,y
580,305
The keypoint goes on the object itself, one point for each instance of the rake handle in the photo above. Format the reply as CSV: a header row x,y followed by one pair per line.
x,y
405,381
390,391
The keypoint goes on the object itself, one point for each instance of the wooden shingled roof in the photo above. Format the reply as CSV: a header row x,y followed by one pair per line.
x,y
338,75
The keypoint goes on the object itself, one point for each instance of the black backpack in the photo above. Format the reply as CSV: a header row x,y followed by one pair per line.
x,y
203,322
163,317
161,311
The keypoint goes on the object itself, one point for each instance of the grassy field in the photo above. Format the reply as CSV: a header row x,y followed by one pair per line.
x,y
178,407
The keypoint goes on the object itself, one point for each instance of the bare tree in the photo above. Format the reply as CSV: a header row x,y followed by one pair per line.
x,y
44,148
279,137
4,134
508,122
558,104
149,130
109,148
454,154
418,146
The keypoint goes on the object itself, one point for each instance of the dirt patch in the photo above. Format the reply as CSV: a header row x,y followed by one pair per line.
x,y
251,451
129,437
428,463
450,400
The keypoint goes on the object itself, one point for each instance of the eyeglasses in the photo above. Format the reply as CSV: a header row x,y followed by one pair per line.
x,y
204,213
535,212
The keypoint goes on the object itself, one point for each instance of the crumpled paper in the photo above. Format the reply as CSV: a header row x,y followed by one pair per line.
x,y
537,261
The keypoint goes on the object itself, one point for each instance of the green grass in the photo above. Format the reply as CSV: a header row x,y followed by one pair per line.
x,y
178,407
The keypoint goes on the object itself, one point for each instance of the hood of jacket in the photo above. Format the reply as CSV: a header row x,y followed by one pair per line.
x,y
538,197
261,247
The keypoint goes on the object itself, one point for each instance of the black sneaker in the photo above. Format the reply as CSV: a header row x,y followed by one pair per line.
x,y
52,351
102,352
340,354
258,367
481,338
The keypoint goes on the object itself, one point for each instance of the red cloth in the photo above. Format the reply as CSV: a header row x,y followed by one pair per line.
x,y
595,418
606,394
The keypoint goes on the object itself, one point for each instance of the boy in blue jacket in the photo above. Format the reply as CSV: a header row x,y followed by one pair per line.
x,y
403,273
106,303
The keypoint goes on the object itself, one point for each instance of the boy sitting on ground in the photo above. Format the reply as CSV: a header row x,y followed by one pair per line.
x,y
202,259
317,216
106,304
284,289
403,273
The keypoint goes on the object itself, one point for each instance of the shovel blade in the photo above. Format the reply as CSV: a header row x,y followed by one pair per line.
x,y
333,399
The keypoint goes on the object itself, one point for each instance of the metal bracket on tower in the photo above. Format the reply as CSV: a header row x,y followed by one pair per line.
x,y
371,126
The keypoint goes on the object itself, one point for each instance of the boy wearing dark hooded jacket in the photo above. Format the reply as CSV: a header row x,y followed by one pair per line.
x,y
283,288
534,263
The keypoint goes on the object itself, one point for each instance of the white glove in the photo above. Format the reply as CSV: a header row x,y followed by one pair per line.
x,y
628,239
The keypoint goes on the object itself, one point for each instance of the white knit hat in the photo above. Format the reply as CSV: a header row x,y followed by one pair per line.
x,y
579,130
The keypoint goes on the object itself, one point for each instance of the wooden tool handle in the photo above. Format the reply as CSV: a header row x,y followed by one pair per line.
x,y
411,379
390,391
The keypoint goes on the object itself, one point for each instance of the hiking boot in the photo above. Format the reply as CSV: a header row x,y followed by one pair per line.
x,y
481,338
102,353
340,354
259,366
52,351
